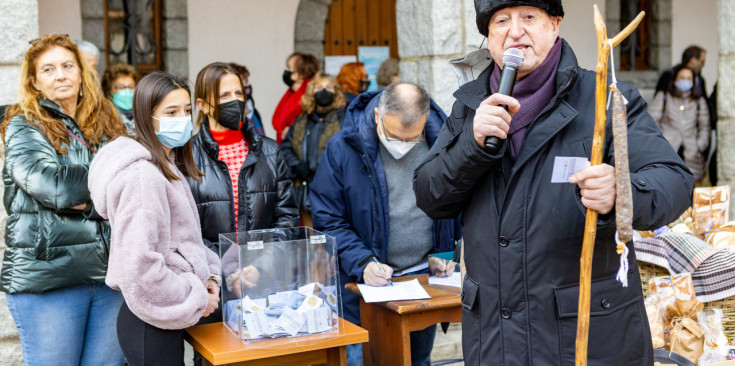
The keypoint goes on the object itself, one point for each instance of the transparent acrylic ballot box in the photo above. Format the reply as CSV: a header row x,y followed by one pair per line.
x,y
279,283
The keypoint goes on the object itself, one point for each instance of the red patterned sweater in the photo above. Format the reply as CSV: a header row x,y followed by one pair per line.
x,y
232,150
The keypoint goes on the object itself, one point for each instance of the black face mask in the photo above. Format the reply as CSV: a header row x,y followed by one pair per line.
x,y
364,85
231,113
324,98
287,78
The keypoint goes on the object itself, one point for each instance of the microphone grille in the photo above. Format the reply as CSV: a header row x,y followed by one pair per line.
x,y
513,57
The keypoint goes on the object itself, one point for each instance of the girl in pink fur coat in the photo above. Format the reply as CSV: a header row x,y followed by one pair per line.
x,y
168,278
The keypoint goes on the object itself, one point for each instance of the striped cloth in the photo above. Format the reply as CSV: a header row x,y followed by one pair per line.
x,y
713,270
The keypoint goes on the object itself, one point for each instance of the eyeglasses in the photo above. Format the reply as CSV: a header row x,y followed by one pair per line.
x,y
318,88
34,41
120,87
393,138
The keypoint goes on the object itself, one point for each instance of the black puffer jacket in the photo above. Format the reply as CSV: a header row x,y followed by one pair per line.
x,y
265,189
50,245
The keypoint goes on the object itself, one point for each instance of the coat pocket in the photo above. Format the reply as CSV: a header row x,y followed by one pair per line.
x,y
471,326
618,334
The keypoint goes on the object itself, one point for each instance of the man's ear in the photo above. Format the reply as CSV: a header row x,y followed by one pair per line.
x,y
377,116
556,23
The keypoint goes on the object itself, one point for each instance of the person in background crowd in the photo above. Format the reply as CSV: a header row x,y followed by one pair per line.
x,y
250,111
520,290
55,264
361,194
682,114
694,58
324,108
388,73
300,68
118,84
2,111
246,183
353,79
168,278
91,53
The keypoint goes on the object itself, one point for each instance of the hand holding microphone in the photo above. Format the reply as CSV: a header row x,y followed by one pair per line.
x,y
493,116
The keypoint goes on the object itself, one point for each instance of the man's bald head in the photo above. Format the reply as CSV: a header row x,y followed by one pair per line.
x,y
405,100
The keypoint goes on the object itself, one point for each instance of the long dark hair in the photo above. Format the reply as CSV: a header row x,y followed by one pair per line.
x,y
672,84
149,93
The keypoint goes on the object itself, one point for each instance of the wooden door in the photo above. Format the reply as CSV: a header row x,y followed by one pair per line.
x,y
354,23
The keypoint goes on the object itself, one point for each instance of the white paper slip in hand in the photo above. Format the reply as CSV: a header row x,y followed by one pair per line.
x,y
565,166
401,290
455,280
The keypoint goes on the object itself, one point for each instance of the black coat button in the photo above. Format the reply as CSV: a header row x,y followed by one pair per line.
x,y
503,241
505,313
605,304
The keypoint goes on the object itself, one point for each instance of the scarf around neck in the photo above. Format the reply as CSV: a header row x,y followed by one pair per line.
x,y
533,92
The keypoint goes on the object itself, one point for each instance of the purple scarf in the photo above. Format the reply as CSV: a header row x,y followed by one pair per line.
x,y
534,92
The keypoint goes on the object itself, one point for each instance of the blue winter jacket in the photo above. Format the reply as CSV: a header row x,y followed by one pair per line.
x,y
349,196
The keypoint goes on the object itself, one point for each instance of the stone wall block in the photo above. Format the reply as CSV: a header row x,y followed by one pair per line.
x,y
7,326
93,9
661,10
11,353
447,32
415,28
409,71
174,9
725,28
19,19
10,81
175,34
726,85
93,30
472,37
444,83
176,62
315,48
310,21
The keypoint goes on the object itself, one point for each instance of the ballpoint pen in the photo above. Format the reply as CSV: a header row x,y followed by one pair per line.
x,y
381,270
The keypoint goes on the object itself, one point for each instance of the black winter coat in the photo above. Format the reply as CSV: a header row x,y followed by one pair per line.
x,y
265,189
523,235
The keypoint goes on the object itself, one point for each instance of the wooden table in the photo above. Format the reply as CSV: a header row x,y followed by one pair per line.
x,y
389,323
219,346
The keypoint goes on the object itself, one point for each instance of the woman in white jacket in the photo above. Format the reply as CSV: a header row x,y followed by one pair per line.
x,y
683,117
168,278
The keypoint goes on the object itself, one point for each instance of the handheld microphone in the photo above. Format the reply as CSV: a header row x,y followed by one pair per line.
x,y
512,60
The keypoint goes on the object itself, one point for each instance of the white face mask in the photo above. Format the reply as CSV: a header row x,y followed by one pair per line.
x,y
397,149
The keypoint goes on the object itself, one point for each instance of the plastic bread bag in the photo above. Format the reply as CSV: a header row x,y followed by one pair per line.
x,y
655,321
710,209
715,342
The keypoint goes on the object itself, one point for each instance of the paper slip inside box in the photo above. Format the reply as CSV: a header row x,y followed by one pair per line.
x,y
455,280
403,290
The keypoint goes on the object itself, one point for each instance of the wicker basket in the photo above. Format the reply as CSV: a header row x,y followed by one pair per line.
x,y
727,305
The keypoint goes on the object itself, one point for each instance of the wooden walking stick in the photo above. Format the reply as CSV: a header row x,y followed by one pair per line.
x,y
604,48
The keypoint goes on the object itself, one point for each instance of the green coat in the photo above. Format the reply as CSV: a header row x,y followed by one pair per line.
x,y
50,246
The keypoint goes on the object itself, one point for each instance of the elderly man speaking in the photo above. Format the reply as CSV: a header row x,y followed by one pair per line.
x,y
523,233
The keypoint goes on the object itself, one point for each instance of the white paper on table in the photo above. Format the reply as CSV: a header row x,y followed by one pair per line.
x,y
455,280
403,290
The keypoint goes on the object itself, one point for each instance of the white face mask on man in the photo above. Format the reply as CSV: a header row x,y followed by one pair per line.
x,y
397,148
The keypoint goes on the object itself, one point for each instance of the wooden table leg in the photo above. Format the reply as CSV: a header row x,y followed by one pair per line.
x,y
390,341
337,356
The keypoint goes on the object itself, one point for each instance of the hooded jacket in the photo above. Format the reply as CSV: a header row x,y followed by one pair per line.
x,y
523,235
349,196
157,257
50,245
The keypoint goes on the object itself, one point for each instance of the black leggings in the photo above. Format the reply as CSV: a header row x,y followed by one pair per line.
x,y
146,345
